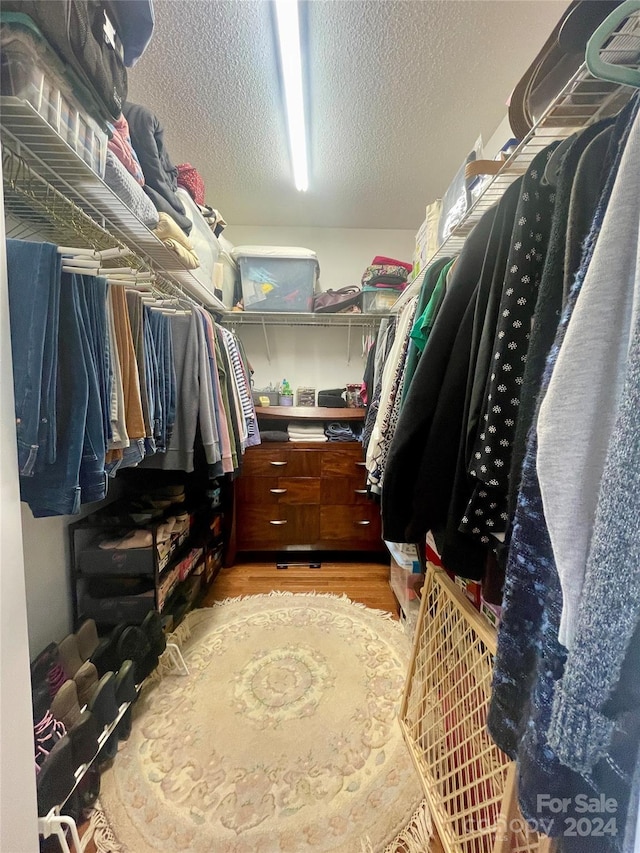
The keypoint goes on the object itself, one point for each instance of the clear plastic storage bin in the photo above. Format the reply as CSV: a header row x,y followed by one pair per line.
x,y
379,300
277,278
29,70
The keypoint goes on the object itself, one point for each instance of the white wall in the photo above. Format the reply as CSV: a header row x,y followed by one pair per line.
x,y
47,573
18,816
305,356
309,356
343,253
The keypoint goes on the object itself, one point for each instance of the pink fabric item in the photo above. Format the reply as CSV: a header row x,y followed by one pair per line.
x,y
380,260
120,145
191,180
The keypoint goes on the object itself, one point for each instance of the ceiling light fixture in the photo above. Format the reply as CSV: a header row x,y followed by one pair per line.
x,y
291,67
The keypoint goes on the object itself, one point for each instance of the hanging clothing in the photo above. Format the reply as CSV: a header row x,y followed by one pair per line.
x,y
578,412
486,512
461,553
403,497
530,659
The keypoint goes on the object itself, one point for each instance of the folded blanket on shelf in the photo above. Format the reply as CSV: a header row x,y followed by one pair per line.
x,y
338,431
274,435
187,256
118,179
314,439
168,229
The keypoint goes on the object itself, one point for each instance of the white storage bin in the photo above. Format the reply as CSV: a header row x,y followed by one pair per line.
x,y
277,278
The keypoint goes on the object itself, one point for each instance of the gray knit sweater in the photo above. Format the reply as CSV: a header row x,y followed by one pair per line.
x,y
609,607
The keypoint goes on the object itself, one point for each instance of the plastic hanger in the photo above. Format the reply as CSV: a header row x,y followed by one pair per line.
x,y
606,70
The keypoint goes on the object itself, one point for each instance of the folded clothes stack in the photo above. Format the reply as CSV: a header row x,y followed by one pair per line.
x,y
175,239
274,435
124,185
338,431
306,432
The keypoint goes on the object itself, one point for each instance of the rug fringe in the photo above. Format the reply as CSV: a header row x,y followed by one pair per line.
x,y
100,833
384,614
414,838
166,665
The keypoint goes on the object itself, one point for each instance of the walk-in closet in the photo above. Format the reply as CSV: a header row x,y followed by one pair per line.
x,y
320,456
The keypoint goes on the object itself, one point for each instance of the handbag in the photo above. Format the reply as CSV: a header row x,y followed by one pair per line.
x,y
333,301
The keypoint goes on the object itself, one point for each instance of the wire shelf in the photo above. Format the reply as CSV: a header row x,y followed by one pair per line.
x,y
581,102
29,136
277,318
465,777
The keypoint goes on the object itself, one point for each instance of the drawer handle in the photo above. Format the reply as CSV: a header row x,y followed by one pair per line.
x,y
363,523
278,491
280,522
277,464
361,464
360,491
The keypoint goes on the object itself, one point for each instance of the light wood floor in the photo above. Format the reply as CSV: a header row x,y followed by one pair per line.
x,y
367,583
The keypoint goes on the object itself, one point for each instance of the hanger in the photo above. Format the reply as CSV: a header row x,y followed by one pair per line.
x,y
607,70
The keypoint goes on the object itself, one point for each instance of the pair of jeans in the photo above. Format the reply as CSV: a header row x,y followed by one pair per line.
x,y
92,302
152,373
34,294
159,324
56,490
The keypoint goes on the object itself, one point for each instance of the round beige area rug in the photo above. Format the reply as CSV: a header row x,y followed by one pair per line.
x,y
283,738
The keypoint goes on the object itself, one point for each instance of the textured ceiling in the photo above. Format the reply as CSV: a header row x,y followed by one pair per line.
x,y
398,94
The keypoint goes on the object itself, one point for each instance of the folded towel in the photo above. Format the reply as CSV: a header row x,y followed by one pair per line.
x,y
311,439
314,428
274,435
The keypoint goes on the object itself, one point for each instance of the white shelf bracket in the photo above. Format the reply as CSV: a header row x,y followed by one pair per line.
x,y
266,340
54,824
349,343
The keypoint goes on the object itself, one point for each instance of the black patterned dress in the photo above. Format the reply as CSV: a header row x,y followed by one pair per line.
x,y
490,462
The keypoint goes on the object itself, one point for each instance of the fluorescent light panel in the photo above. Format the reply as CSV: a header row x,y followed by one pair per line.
x,y
291,65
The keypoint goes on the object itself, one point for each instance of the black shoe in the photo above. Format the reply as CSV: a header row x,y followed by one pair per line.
x,y
152,629
123,729
103,704
84,739
105,656
56,777
133,645
126,683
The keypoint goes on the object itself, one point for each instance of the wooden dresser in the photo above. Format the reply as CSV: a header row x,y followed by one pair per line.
x,y
304,495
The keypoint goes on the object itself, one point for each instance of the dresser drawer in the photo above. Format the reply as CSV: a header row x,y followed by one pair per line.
x,y
350,526
265,528
269,491
270,462
346,462
343,490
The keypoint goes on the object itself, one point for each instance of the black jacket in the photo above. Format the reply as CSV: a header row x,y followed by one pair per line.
x,y
160,175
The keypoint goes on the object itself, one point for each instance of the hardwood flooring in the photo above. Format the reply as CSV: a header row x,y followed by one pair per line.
x,y
367,583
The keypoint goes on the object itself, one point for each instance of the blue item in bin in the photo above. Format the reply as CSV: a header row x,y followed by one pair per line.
x,y
277,278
